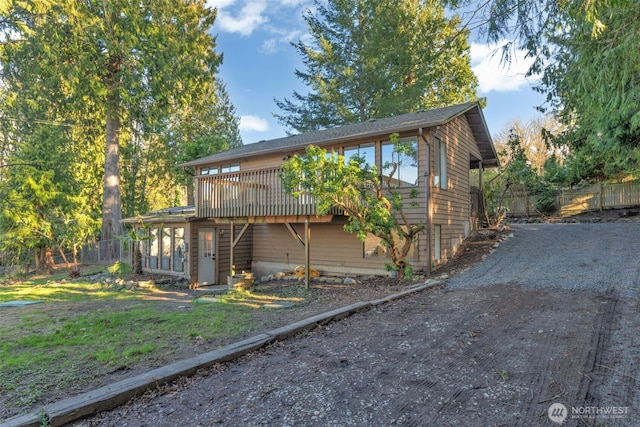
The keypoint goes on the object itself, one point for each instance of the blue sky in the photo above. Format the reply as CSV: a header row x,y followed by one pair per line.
x,y
259,63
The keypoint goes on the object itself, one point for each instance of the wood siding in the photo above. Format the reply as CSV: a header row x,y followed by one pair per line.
x,y
450,208
242,255
332,250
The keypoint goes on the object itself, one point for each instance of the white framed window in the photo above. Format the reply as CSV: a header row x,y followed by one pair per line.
x,y
178,249
214,170
440,164
154,247
209,171
165,249
234,167
437,242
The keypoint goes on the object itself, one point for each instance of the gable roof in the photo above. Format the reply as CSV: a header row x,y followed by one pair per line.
x,y
370,128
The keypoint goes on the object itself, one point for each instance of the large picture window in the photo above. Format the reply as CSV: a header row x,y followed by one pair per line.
x,y
366,151
374,248
440,164
178,249
154,246
400,163
165,263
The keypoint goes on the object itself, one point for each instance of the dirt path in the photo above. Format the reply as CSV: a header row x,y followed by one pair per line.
x,y
497,356
472,353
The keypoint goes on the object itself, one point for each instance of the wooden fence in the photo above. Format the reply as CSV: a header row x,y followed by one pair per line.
x,y
595,197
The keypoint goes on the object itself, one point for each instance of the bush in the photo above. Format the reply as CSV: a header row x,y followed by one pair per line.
x,y
546,203
119,269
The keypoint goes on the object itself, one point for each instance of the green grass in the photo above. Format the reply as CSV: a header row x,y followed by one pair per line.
x,y
84,330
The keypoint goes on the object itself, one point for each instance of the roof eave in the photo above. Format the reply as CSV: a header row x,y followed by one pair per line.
x,y
319,142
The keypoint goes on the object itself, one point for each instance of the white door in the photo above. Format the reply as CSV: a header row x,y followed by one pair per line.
x,y
206,257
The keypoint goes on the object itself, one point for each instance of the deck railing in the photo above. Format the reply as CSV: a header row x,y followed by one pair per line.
x,y
249,193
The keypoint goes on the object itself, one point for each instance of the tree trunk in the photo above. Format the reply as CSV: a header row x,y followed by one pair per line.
x,y
111,202
191,196
137,257
48,260
39,258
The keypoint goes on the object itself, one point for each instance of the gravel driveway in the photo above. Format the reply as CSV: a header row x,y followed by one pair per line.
x,y
593,257
551,318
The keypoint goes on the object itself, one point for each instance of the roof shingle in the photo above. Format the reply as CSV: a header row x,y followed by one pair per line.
x,y
374,127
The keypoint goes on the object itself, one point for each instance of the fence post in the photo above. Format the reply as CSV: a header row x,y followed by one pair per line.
x,y
601,195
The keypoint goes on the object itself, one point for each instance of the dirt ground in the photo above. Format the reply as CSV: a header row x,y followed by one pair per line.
x,y
498,355
321,298
494,355
484,366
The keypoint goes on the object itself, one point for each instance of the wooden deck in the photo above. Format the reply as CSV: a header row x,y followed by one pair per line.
x,y
243,194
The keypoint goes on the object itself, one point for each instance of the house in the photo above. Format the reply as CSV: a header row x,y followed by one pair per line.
x,y
244,220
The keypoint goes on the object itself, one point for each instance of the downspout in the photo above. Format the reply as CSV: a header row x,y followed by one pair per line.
x,y
427,196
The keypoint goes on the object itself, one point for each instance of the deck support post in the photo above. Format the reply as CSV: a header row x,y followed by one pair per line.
x,y
231,248
234,241
305,244
307,262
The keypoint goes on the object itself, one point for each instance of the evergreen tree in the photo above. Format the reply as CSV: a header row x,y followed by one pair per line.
x,y
114,71
378,58
587,53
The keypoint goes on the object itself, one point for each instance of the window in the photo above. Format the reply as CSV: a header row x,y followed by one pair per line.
x,y
178,249
153,248
400,163
143,246
165,261
214,170
366,151
373,247
209,171
437,240
235,167
440,164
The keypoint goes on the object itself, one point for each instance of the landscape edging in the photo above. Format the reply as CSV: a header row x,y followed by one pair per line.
x,y
113,395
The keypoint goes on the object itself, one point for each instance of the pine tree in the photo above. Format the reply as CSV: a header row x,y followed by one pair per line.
x,y
378,58
113,70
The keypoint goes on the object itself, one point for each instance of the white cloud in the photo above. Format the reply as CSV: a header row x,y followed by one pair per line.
x,y
495,75
281,40
291,2
269,46
253,123
280,20
244,20
220,3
